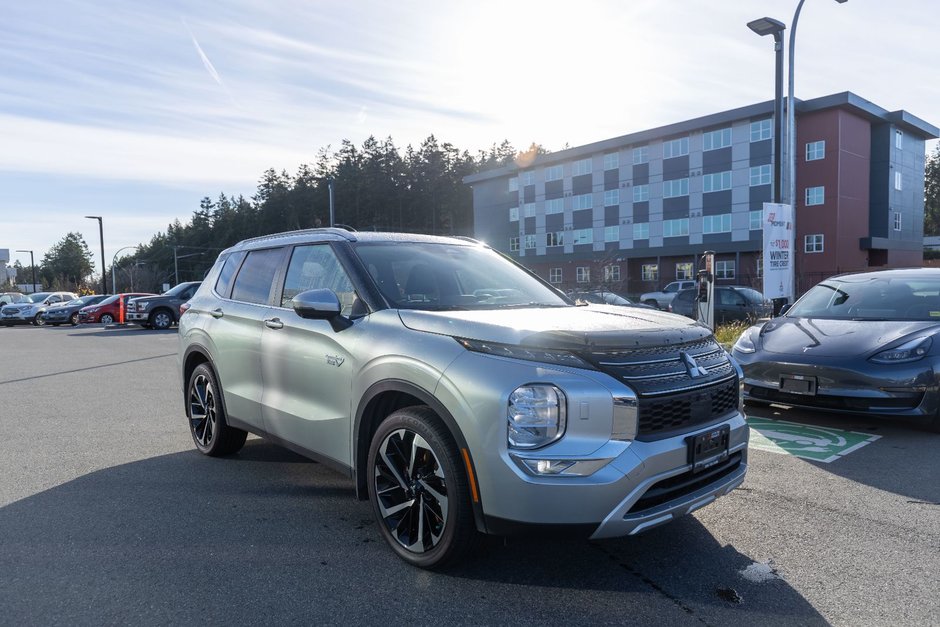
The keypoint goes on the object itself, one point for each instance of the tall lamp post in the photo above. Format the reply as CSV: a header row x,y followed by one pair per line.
x,y
104,277
769,26
791,129
113,262
32,265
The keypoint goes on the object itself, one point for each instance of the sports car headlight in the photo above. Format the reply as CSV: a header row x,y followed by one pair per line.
x,y
537,416
909,351
745,344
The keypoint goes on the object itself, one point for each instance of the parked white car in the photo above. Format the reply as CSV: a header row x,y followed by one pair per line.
x,y
30,311
663,298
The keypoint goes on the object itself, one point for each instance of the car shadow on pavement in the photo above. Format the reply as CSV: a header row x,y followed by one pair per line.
x,y
265,536
903,460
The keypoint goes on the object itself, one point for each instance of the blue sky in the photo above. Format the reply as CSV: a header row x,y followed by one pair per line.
x,y
136,110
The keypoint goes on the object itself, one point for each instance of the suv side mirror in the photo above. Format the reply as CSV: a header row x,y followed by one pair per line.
x,y
321,304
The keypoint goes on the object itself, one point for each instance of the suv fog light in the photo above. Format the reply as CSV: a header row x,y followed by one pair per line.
x,y
536,416
561,467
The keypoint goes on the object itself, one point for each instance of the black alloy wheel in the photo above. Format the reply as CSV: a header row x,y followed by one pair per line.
x,y
211,434
419,489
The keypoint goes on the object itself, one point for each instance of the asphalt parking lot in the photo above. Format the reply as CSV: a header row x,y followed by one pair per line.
x,y
108,515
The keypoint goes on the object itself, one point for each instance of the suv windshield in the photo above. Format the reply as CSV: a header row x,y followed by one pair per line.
x,y
434,277
177,290
871,299
38,297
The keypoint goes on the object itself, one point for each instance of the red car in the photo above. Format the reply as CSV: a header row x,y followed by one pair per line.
x,y
108,310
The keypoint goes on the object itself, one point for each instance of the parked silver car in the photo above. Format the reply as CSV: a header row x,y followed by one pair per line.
x,y
460,392
30,311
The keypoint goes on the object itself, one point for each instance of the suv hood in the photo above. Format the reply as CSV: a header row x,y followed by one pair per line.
x,y
569,328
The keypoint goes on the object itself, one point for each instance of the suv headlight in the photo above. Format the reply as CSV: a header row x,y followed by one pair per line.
x,y
909,351
537,416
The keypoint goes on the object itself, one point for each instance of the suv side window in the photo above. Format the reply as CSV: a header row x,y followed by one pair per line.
x,y
224,283
256,277
316,267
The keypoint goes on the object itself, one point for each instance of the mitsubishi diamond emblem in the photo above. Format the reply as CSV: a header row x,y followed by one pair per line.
x,y
692,366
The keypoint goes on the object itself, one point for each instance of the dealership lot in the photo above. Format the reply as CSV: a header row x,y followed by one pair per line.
x,y
109,515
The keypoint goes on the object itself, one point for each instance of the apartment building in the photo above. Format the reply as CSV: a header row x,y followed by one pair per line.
x,y
634,212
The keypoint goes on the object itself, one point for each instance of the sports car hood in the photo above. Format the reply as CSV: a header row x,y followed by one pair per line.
x,y
569,328
836,338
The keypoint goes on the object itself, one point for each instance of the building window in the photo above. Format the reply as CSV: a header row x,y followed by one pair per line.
x,y
898,139
713,140
641,154
513,244
897,181
815,195
676,148
555,239
514,184
641,193
650,271
611,273
676,228
897,220
641,230
724,269
813,243
760,175
756,219
583,274
554,173
514,214
717,224
612,161
528,209
584,201
675,188
530,242
581,167
683,271
761,130
583,236
816,150
555,205
528,177
611,233
612,198
554,275
717,182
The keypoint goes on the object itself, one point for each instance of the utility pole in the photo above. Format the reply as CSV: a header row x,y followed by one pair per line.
x,y
104,277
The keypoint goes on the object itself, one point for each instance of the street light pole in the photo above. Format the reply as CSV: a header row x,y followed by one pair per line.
x,y
791,135
113,262
32,265
104,279
770,26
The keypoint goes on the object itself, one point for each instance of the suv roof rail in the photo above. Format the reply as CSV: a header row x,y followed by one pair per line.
x,y
345,233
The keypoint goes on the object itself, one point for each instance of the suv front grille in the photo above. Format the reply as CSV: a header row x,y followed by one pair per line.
x,y
677,386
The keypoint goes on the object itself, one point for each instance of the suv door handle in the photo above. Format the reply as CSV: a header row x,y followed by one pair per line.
x,y
274,323
217,313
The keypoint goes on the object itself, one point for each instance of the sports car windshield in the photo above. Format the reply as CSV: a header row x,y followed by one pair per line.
x,y
440,277
900,298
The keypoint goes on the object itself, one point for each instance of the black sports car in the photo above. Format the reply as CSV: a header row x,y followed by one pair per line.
x,y
859,343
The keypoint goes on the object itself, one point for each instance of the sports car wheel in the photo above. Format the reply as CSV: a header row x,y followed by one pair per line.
x,y
39,320
419,489
211,434
106,319
73,320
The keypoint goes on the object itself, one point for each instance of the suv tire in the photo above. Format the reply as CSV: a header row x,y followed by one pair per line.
x,y
206,413
161,320
418,489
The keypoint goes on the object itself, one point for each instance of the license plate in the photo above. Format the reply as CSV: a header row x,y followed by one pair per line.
x,y
798,384
709,448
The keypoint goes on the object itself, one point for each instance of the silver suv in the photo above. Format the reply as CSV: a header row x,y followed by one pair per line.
x,y
461,393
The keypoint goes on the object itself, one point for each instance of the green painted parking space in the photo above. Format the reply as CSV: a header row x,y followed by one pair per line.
x,y
821,444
